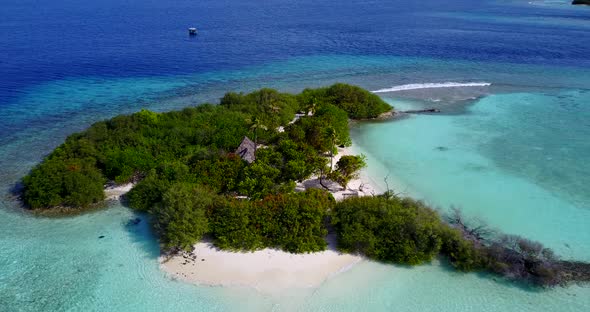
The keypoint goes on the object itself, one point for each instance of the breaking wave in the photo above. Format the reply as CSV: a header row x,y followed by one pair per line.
x,y
416,86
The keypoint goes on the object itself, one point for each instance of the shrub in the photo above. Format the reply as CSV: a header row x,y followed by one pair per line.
x,y
392,230
313,131
357,102
180,219
57,182
147,192
462,253
231,225
293,222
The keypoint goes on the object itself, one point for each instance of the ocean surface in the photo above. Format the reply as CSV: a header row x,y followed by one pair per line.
x,y
510,146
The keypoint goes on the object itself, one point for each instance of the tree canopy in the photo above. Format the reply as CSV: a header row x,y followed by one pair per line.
x,y
355,101
187,175
393,230
196,145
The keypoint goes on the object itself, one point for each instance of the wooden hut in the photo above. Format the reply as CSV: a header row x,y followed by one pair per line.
x,y
247,150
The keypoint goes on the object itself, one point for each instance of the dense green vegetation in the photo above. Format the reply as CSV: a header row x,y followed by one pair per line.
x,y
393,230
272,108
180,218
124,147
188,176
358,103
400,230
196,144
295,222
64,181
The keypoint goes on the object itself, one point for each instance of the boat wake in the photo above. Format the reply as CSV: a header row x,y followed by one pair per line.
x,y
416,86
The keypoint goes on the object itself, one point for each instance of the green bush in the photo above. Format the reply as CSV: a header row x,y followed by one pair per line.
x,y
293,222
231,226
147,192
462,254
259,180
222,173
313,130
392,230
273,108
357,102
63,182
180,219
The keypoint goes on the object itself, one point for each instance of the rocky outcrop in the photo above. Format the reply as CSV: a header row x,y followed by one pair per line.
x,y
387,115
422,111
581,2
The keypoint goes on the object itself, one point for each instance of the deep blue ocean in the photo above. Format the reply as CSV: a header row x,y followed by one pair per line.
x,y
511,146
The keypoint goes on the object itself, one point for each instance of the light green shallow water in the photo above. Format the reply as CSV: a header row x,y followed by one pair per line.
x,y
515,161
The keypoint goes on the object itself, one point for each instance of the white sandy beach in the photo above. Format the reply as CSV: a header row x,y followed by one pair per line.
x,y
267,270
270,270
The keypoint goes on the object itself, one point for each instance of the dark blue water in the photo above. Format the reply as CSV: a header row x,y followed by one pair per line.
x,y
54,41
65,64
50,40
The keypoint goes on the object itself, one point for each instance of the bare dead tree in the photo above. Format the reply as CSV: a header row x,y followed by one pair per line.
x,y
386,182
389,193
476,230
517,258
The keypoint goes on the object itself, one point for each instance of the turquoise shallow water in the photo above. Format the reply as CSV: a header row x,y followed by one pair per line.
x,y
62,265
513,160
513,156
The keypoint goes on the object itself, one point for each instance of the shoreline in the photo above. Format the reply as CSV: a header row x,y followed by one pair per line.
x,y
364,185
271,270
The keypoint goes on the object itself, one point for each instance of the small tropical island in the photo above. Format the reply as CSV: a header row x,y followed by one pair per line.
x,y
581,2
270,171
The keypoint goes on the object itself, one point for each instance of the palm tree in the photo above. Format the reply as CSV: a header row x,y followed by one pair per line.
x,y
267,100
274,108
312,106
255,124
331,134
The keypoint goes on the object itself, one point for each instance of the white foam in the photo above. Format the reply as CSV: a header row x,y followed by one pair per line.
x,y
416,86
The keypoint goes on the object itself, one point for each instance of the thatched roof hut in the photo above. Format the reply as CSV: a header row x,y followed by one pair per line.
x,y
247,150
